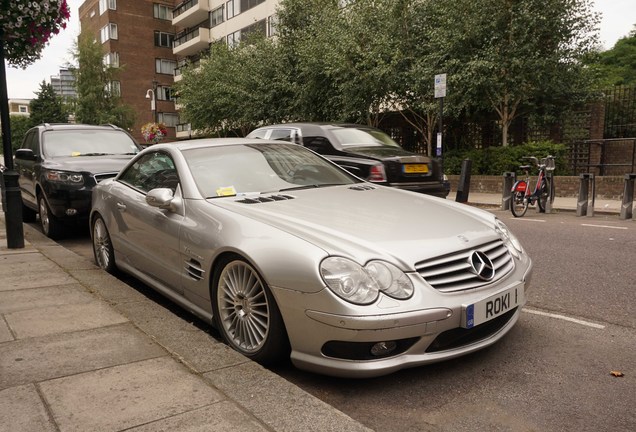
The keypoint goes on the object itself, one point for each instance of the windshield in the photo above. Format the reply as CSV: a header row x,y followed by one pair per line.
x,y
349,137
65,143
259,168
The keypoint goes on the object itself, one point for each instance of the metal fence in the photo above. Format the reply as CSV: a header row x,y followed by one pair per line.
x,y
603,157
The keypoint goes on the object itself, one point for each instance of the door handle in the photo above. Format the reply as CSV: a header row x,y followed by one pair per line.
x,y
121,206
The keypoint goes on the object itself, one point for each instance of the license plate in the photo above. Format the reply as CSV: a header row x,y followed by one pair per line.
x,y
492,307
415,168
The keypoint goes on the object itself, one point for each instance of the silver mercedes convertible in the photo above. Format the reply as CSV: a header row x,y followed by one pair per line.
x,y
291,256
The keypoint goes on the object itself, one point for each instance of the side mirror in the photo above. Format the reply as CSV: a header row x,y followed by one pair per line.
x,y
25,154
162,198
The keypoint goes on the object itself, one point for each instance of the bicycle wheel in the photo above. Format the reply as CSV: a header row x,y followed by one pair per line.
x,y
544,195
518,204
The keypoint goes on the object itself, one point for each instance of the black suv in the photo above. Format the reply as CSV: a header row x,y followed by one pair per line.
x,y
59,164
364,151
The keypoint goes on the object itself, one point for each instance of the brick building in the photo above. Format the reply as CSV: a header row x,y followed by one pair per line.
x,y
137,36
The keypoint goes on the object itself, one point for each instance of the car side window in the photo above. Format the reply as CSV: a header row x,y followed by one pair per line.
x,y
151,171
259,133
320,145
281,135
31,142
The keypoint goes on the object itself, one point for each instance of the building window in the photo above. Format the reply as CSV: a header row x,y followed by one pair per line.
x,y
23,108
216,17
107,4
164,66
233,8
114,88
272,22
163,39
258,27
233,39
249,4
169,119
165,93
109,31
111,59
162,12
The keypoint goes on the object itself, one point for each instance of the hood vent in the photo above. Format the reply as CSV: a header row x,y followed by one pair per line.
x,y
362,187
265,199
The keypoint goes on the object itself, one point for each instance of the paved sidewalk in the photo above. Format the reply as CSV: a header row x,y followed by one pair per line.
x,y
82,351
601,206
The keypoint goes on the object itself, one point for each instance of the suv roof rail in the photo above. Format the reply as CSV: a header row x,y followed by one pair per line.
x,y
111,125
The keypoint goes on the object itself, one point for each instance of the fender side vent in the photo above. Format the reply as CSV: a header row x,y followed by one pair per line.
x,y
194,270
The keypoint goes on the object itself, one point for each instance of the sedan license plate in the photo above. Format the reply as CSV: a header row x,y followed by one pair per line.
x,y
492,307
415,168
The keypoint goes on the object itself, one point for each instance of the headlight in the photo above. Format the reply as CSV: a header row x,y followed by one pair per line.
x,y
362,285
66,177
509,238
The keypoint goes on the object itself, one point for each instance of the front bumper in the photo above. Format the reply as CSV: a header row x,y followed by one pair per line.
x,y
336,343
68,203
432,188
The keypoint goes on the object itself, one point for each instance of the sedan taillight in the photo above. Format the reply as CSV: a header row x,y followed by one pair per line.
x,y
377,173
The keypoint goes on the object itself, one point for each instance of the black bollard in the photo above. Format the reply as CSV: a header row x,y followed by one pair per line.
x,y
463,188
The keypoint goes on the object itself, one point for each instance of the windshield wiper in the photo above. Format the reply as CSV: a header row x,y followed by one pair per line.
x,y
95,154
310,186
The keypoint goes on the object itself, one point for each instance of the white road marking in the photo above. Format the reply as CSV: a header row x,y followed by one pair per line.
x,y
604,226
564,318
528,220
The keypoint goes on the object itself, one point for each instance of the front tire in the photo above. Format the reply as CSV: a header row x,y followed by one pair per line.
x,y
519,204
246,314
102,246
51,226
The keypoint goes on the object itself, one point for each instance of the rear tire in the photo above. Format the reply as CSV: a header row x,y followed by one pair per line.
x,y
246,314
519,204
51,226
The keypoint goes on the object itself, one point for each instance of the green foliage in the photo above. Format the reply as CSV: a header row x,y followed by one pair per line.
x,y
47,107
328,63
96,104
497,160
19,127
617,66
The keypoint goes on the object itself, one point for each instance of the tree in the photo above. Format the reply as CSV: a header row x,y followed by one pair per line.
x,y
97,99
617,66
47,107
515,57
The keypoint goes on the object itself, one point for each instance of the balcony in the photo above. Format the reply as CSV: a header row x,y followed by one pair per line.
x,y
190,12
192,41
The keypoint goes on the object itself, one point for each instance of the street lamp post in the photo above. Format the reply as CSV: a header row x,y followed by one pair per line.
x,y
150,94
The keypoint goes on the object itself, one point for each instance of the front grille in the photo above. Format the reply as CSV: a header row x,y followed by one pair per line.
x,y
453,272
103,176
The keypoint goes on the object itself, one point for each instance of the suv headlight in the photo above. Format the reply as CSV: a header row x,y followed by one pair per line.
x,y
509,238
362,285
66,177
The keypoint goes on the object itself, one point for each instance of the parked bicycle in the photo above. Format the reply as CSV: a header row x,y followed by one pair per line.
x,y
543,189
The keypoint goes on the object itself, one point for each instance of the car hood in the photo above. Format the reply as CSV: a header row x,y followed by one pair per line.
x,y
381,153
381,222
92,164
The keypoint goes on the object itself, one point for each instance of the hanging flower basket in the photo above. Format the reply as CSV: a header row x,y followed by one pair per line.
x,y
26,27
154,132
